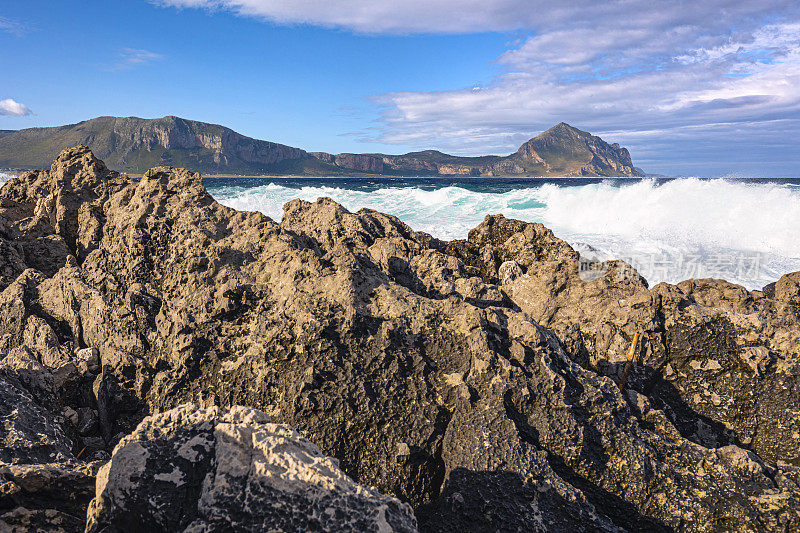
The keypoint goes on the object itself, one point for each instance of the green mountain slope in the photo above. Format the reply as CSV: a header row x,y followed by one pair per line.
x,y
134,145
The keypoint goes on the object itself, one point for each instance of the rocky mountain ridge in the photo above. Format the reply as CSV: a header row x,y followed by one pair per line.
x,y
197,347
132,144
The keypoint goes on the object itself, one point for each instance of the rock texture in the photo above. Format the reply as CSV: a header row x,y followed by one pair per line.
x,y
721,362
193,469
133,144
358,162
475,380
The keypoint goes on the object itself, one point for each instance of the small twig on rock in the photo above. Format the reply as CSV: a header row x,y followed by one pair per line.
x,y
629,364
80,453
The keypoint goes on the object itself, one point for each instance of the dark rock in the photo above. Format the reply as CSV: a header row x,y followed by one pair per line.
x,y
46,497
43,486
721,361
88,421
29,433
478,403
193,469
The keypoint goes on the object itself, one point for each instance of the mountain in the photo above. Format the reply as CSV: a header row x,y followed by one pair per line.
x,y
134,144
566,150
560,151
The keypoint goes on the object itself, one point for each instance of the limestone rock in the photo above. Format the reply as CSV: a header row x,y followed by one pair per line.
x,y
403,357
509,271
203,469
46,497
721,361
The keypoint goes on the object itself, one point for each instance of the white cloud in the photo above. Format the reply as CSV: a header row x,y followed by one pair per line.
x,y
772,40
521,104
688,80
712,69
10,107
375,16
133,57
12,26
464,16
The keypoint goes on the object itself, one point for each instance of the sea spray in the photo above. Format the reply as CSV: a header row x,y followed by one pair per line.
x,y
743,231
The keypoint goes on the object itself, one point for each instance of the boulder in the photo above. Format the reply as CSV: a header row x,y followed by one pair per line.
x,y
206,469
43,485
46,497
477,392
722,362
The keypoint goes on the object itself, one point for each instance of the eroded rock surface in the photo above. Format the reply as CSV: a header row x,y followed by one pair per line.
x,y
475,380
191,469
722,362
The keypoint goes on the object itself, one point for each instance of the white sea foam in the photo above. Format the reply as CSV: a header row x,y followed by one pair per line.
x,y
744,232
4,178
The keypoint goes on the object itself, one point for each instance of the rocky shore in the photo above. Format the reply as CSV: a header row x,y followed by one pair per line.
x,y
170,363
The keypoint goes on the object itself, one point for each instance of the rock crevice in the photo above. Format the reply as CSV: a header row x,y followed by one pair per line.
x,y
474,380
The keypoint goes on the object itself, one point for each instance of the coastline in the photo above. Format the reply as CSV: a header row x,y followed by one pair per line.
x,y
430,370
18,172
397,176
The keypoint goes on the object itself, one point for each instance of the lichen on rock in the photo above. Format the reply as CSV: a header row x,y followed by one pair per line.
x,y
474,380
205,469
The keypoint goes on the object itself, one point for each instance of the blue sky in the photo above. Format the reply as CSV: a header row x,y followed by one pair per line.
x,y
707,88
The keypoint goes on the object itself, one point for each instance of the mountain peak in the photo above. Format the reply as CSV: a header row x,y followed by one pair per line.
x,y
566,150
135,144
563,128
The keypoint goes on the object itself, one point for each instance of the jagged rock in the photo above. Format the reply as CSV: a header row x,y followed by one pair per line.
x,y
786,289
193,469
509,271
88,359
478,403
29,433
77,182
46,497
721,361
498,240
47,209
43,487
23,368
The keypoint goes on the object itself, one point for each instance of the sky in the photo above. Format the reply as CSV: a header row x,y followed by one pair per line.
x,y
706,88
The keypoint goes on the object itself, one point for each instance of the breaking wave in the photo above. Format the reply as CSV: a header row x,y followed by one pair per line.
x,y
743,231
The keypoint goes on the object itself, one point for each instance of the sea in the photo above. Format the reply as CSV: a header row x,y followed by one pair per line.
x,y
744,230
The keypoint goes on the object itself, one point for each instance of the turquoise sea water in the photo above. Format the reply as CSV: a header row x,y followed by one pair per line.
x,y
743,230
